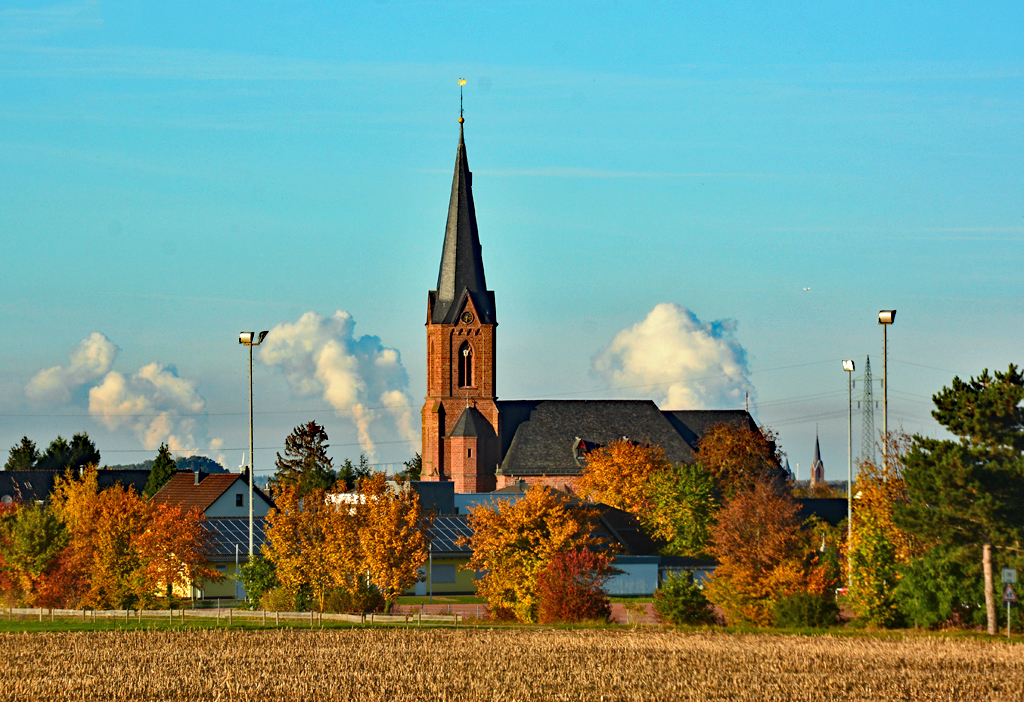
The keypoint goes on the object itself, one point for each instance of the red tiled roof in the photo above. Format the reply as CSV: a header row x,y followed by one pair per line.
x,y
181,489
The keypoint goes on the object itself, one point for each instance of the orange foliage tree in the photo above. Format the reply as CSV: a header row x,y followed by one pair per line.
x,y
392,536
877,546
756,542
122,550
514,541
173,548
737,457
318,544
618,475
312,543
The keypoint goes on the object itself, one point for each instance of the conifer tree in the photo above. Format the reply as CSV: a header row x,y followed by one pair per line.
x,y
23,455
305,464
968,493
163,470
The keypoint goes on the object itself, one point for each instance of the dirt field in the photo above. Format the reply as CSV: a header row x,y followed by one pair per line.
x,y
480,664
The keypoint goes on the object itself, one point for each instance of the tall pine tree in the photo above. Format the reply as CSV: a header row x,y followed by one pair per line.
x,y
23,455
967,494
305,464
163,470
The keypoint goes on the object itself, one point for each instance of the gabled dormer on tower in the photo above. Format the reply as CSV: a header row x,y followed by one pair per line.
x,y
461,324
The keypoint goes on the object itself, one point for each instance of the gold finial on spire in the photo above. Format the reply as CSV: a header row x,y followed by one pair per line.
x,y
462,82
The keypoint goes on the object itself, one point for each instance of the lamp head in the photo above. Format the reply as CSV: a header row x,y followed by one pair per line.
x,y
848,366
263,335
886,316
246,338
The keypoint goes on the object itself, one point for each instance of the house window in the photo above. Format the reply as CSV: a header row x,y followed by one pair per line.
x,y
470,454
444,574
465,361
239,500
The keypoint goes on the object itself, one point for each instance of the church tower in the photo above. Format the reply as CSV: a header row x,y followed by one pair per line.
x,y
460,414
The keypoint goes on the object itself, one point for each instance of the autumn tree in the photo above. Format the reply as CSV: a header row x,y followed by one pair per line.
x,y
618,474
683,509
514,541
174,549
967,494
313,543
392,536
163,470
756,542
878,547
31,539
738,457
305,465
571,587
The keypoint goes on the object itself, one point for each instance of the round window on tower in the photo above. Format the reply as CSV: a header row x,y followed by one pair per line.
x,y
467,317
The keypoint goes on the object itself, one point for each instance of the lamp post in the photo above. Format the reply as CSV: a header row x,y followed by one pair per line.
x,y
250,339
885,318
849,367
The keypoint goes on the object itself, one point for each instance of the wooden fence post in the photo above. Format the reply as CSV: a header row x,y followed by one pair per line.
x,y
277,618
264,617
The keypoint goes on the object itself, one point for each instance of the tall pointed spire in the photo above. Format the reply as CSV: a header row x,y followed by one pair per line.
x,y
462,267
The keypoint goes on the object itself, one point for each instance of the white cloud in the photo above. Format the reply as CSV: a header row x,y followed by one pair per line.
x,y
91,360
154,403
678,360
357,376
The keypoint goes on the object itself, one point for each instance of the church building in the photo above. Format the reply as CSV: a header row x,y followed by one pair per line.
x,y
481,443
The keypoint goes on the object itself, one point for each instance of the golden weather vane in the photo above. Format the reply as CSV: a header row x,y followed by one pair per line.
x,y
462,82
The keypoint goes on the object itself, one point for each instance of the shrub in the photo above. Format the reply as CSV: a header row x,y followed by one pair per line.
x,y
570,588
278,599
365,599
806,609
680,600
259,576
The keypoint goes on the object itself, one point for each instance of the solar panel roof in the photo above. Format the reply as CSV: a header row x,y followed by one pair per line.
x,y
228,532
445,531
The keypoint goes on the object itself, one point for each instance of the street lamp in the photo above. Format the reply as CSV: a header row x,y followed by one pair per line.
x,y
250,339
885,318
849,367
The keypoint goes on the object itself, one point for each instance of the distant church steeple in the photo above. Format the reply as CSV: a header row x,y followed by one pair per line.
x,y
460,413
817,468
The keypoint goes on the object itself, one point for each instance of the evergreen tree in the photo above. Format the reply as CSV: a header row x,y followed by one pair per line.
x,y
305,464
968,493
23,456
83,453
162,471
352,474
413,468
57,455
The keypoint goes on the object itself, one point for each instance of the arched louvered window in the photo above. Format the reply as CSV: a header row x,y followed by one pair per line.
x,y
465,365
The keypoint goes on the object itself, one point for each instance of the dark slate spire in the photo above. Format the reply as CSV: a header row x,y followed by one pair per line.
x,y
817,449
462,265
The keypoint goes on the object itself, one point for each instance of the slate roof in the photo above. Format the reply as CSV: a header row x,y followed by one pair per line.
x,y
182,490
132,478
461,274
472,424
36,485
228,532
27,486
625,528
543,438
693,424
829,509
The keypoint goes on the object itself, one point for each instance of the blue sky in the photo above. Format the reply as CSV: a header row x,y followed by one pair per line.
x,y
171,174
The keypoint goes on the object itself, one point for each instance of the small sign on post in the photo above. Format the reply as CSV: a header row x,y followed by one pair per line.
x,y
1010,575
1009,597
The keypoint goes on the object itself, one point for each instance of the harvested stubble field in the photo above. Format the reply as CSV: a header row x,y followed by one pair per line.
x,y
481,664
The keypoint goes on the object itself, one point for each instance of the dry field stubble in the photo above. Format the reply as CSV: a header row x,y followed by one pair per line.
x,y
479,664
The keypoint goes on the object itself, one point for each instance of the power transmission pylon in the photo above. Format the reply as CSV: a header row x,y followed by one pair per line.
x,y
867,414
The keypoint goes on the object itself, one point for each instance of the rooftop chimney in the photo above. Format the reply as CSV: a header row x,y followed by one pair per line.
x,y
198,475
